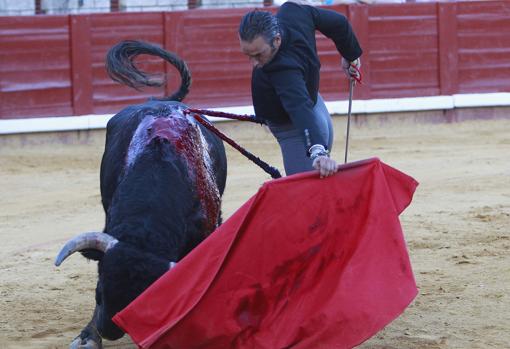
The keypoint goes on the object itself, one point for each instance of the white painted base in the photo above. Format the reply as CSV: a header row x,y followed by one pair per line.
x,y
88,122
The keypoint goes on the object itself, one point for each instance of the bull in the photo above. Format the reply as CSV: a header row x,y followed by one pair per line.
x,y
161,179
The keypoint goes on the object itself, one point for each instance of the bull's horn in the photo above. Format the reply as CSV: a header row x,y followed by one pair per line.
x,y
93,240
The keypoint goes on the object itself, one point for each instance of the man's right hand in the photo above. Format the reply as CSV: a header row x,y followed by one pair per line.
x,y
352,69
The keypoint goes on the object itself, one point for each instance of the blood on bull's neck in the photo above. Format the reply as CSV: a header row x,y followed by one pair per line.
x,y
184,134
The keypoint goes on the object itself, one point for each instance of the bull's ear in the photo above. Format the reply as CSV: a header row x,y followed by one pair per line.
x,y
95,255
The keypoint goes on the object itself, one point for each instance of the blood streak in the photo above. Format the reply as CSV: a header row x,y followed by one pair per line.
x,y
184,134
189,142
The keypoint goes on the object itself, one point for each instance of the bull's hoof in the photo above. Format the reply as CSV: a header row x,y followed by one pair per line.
x,y
79,343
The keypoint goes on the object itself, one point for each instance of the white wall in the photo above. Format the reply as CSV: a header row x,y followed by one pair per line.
x,y
74,6
27,7
17,7
153,5
231,3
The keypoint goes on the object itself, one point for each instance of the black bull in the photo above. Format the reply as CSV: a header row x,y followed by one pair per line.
x,y
162,177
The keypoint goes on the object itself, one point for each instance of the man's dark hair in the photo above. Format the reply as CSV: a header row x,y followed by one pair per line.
x,y
259,23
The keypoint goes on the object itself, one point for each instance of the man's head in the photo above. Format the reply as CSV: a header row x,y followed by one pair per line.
x,y
260,37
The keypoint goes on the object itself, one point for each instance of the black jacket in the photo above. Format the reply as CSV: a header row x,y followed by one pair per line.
x,y
285,89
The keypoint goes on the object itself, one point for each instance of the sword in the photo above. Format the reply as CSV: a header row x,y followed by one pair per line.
x,y
351,89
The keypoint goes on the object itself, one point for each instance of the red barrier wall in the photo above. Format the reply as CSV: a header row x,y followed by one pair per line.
x,y
54,65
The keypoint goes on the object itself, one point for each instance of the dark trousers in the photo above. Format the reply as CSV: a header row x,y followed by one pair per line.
x,y
292,141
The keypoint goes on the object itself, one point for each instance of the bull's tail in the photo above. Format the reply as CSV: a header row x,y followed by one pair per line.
x,y
121,67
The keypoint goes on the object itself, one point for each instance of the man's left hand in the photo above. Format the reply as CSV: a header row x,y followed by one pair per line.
x,y
325,165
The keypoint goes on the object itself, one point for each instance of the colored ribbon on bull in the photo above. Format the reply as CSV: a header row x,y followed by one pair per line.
x,y
220,114
272,171
305,263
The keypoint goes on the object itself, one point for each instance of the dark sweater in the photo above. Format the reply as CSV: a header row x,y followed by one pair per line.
x,y
285,89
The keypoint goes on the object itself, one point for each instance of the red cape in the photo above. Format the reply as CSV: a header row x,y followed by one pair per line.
x,y
305,263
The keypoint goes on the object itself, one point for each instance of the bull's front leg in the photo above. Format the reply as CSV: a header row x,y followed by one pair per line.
x,y
89,337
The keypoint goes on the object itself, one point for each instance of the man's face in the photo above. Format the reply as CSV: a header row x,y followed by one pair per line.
x,y
259,51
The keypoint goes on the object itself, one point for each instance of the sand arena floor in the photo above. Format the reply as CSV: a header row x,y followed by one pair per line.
x,y
457,227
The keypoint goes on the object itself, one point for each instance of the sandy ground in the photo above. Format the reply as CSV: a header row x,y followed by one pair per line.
x,y
457,227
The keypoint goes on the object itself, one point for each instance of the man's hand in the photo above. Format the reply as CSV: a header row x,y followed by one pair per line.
x,y
321,161
352,69
325,165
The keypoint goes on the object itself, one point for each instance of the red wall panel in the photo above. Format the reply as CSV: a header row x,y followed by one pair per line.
x,y
208,41
483,32
54,65
403,44
105,31
35,76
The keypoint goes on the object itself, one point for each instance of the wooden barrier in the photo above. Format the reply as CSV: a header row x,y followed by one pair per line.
x,y
54,65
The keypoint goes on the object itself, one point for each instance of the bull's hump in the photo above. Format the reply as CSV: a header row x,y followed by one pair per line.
x,y
169,127
185,138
